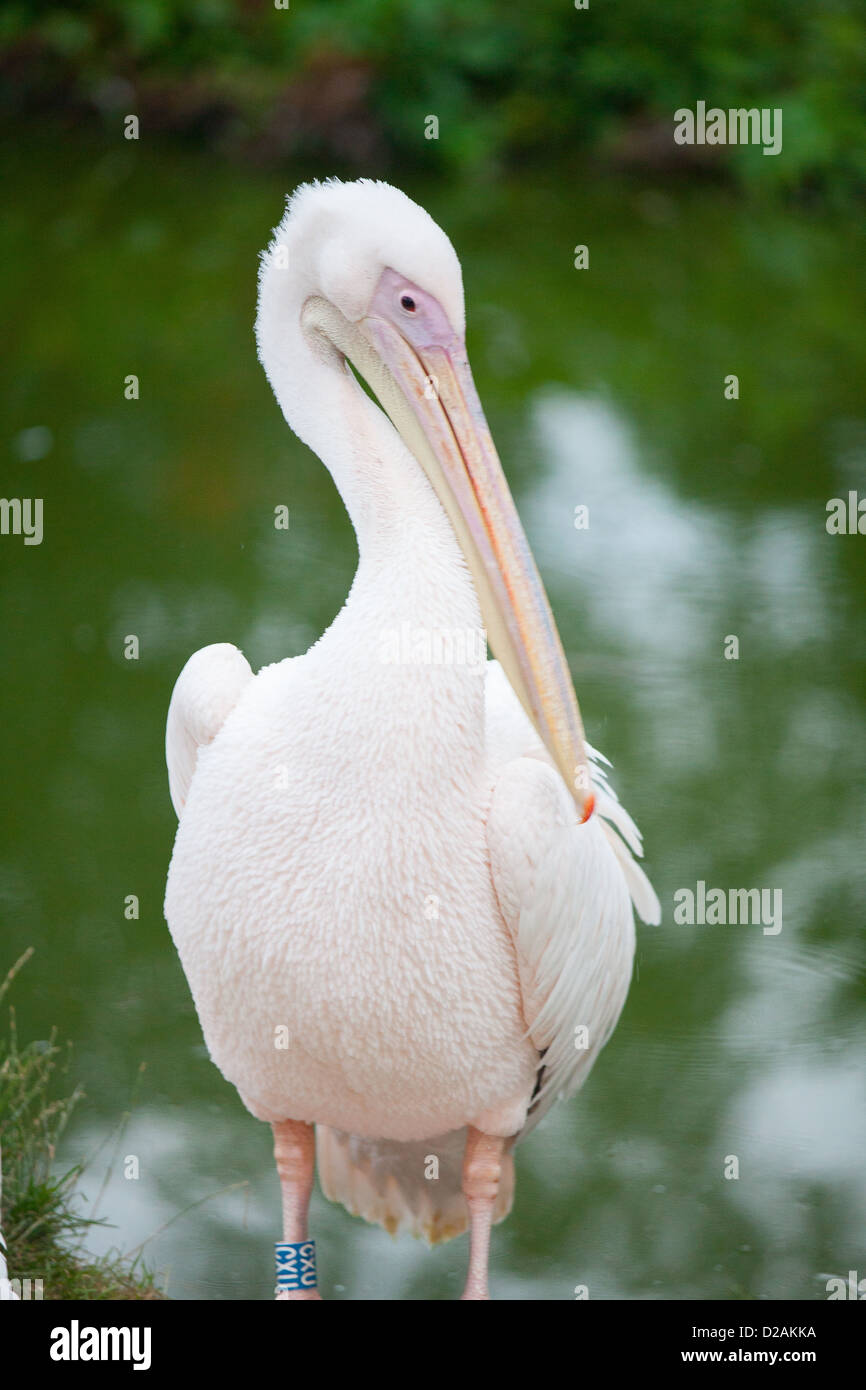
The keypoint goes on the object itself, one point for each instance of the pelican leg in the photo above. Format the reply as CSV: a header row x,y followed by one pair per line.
x,y
482,1169
295,1153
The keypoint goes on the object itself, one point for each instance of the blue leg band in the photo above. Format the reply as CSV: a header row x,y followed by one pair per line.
x,y
296,1265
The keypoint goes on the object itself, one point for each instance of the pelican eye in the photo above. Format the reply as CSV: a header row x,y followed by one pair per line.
x,y
408,303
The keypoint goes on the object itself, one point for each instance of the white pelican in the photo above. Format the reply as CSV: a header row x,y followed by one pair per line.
x,y
401,894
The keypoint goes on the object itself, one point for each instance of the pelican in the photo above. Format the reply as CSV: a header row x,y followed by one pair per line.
x,y
401,888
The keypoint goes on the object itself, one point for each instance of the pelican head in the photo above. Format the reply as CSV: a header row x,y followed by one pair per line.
x,y
359,274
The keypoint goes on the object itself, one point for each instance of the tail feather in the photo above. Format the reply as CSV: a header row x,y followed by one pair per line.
x,y
414,1186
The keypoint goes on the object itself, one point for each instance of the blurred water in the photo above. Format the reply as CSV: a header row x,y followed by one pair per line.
x,y
604,389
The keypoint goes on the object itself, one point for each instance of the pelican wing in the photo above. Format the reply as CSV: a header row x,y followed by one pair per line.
x,y
566,892
205,693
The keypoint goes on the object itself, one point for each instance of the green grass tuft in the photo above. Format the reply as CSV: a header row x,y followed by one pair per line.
x,y
45,1232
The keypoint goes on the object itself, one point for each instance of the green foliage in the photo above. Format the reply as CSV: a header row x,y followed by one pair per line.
x,y
43,1230
356,78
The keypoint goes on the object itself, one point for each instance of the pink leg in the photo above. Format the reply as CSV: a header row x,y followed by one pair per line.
x,y
482,1169
295,1152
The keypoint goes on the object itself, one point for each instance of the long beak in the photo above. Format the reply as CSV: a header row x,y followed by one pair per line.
x,y
431,398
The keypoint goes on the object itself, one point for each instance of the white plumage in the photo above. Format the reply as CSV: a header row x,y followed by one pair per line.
x,y
381,856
